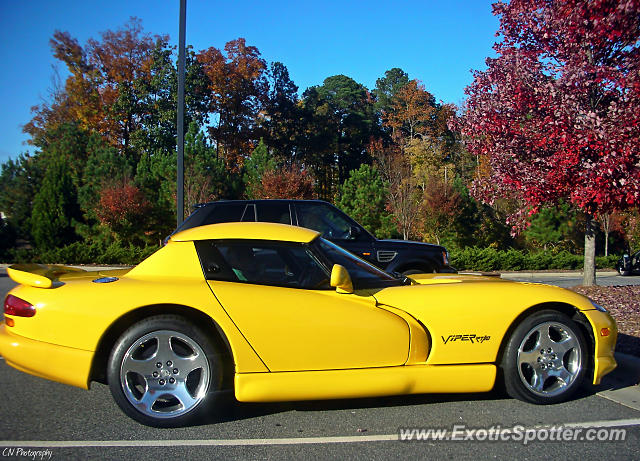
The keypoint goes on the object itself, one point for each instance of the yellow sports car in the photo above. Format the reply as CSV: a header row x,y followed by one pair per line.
x,y
278,313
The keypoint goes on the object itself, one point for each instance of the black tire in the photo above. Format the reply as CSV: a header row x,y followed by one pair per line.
x,y
545,359
164,372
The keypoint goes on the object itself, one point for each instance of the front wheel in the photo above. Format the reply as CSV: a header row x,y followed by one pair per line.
x,y
545,360
164,371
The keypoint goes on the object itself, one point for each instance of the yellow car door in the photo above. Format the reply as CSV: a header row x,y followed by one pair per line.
x,y
279,297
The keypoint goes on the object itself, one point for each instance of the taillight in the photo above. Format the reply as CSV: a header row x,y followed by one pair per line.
x,y
18,307
445,257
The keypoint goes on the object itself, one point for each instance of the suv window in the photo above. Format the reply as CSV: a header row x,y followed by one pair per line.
x,y
262,263
225,212
277,212
220,212
324,219
249,214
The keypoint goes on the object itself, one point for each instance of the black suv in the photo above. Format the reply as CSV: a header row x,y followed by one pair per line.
x,y
399,256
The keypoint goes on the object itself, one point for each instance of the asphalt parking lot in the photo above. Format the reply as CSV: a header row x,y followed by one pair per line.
x,y
570,279
47,420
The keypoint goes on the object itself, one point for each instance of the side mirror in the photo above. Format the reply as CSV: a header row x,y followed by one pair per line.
x,y
354,232
340,279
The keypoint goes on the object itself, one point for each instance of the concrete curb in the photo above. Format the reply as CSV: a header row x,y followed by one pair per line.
x,y
543,274
555,274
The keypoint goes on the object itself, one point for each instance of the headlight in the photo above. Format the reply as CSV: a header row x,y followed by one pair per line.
x,y
598,306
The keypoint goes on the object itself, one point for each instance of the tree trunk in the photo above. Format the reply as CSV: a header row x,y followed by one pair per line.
x,y
606,226
589,277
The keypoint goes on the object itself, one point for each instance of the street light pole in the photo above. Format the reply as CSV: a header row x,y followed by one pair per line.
x,y
180,189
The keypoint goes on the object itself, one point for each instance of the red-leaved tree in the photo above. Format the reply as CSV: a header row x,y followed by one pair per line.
x,y
287,182
123,208
557,112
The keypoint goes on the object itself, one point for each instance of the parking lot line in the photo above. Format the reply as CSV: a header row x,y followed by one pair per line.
x,y
278,441
195,443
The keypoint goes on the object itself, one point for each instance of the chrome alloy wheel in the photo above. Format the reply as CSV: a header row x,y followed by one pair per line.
x,y
165,374
550,358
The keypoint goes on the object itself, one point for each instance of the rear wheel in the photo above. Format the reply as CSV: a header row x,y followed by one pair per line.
x,y
545,359
164,371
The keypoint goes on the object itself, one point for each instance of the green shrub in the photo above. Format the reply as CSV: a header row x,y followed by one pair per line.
x,y
606,262
490,259
513,260
469,258
85,253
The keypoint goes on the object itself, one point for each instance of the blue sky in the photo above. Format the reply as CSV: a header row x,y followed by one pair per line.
x,y
434,41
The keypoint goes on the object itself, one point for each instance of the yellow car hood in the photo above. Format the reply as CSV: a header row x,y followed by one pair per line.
x,y
472,294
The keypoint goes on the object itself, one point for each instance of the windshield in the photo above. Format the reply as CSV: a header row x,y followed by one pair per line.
x,y
363,275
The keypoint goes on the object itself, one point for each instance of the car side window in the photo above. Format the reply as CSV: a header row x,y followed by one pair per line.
x,y
277,212
324,219
262,263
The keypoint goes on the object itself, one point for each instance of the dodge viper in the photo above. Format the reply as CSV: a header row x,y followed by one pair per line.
x,y
277,313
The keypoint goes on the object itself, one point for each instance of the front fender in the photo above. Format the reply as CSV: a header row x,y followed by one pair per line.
x,y
468,317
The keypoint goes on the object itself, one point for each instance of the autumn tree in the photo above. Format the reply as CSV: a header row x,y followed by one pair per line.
x,y
423,142
411,111
290,182
237,87
281,117
557,112
440,206
124,208
403,199
102,91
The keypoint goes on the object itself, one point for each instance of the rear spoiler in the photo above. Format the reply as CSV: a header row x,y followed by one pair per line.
x,y
39,275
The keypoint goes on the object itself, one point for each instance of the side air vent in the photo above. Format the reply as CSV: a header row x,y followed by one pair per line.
x,y
385,256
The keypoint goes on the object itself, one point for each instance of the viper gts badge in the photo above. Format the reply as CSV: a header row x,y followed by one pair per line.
x,y
473,338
